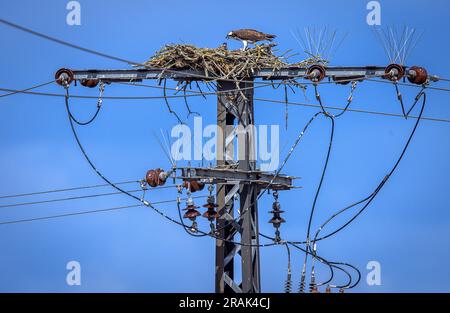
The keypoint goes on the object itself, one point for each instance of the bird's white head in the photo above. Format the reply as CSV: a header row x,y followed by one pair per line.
x,y
230,34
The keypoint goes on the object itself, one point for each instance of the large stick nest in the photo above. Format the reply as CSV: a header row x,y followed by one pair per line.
x,y
220,62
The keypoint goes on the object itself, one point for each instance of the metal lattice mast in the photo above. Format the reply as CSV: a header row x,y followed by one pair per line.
x,y
234,113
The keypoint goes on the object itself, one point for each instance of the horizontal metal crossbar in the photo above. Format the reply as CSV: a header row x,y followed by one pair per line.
x,y
140,74
233,176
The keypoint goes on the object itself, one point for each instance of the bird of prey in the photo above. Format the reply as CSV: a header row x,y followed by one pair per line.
x,y
249,36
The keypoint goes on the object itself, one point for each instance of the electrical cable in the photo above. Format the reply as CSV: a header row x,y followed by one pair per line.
x,y
432,119
331,117
104,55
64,199
350,286
67,189
145,202
407,84
376,191
81,213
89,121
288,282
27,89
256,99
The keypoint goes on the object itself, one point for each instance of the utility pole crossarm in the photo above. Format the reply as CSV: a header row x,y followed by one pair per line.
x,y
233,176
314,72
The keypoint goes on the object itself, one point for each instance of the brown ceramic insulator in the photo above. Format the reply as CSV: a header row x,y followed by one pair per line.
x,y
316,72
66,73
276,209
191,214
190,207
194,185
211,214
277,220
210,205
420,77
152,178
328,290
90,83
400,72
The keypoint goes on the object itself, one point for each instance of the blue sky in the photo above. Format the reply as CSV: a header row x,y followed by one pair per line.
x,y
406,228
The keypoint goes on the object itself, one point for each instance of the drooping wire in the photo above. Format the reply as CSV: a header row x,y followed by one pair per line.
x,y
400,99
277,173
145,202
89,121
349,99
316,196
186,102
358,272
370,198
168,105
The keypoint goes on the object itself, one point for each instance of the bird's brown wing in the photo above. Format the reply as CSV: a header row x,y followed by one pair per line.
x,y
250,35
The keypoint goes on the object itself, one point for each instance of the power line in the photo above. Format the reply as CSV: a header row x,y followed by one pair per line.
x,y
74,198
104,55
108,56
65,43
85,212
352,110
257,99
406,84
27,89
65,189
49,94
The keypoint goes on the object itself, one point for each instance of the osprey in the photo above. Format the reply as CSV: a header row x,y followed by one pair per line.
x,y
249,35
